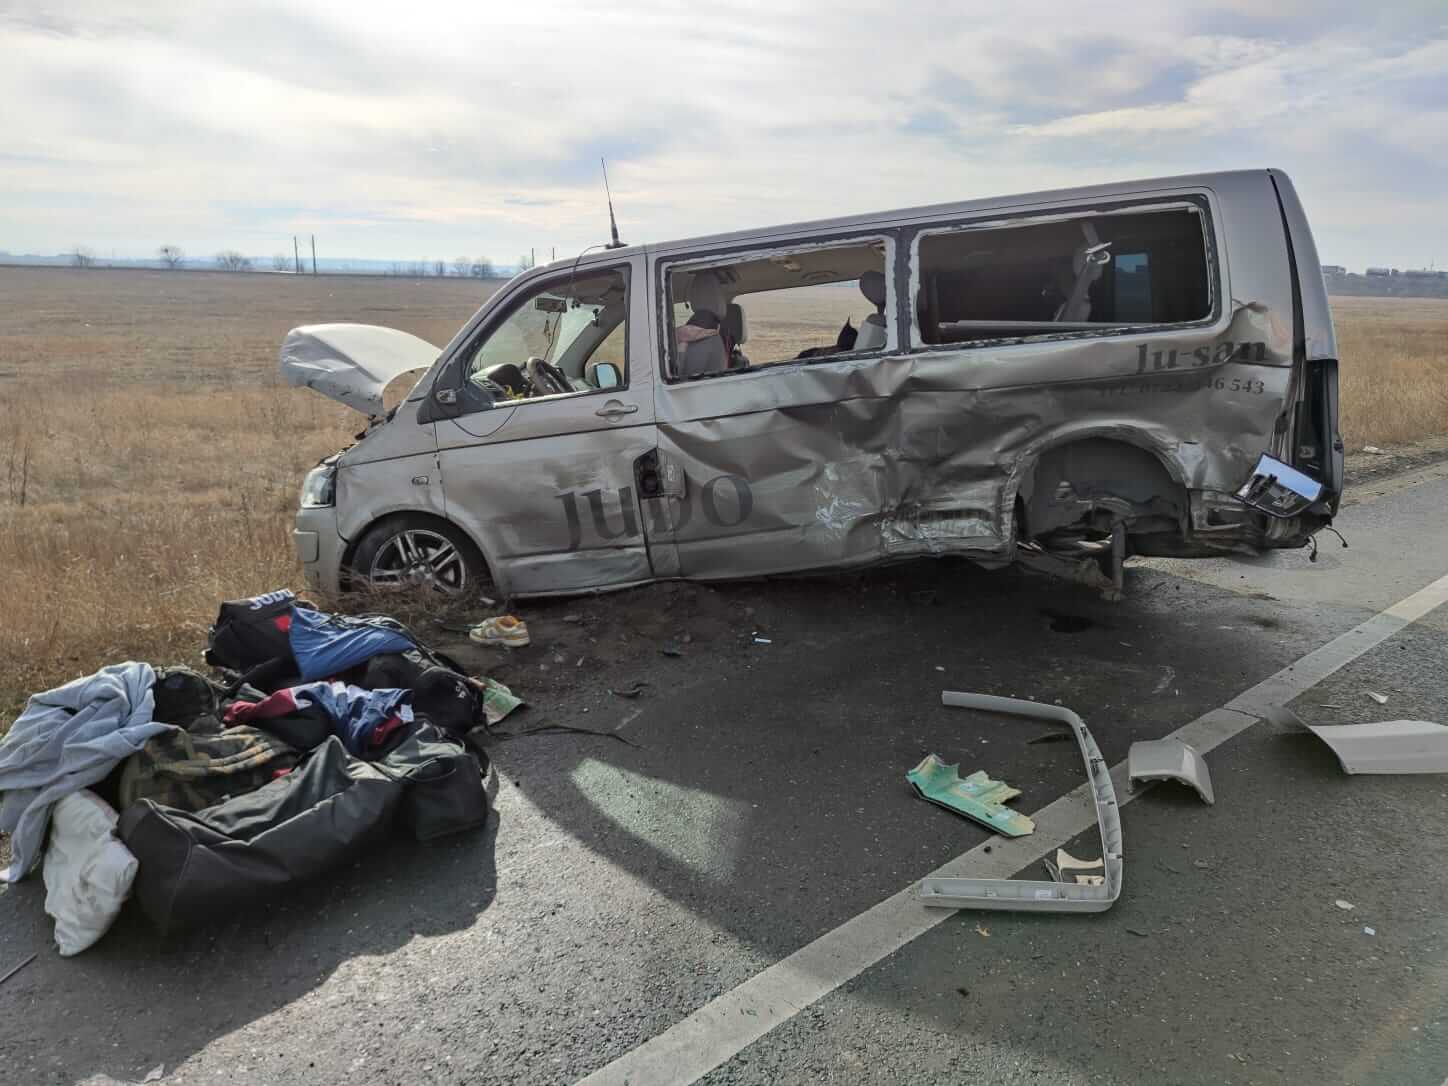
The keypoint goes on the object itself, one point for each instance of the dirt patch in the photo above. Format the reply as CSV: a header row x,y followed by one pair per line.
x,y
1364,467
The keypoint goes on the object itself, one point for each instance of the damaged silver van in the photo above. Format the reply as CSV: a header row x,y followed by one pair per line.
x,y
1061,379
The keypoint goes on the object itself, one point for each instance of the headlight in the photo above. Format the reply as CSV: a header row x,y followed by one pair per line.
x,y
319,488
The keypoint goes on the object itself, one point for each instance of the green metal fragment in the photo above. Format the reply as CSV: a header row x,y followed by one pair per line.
x,y
976,796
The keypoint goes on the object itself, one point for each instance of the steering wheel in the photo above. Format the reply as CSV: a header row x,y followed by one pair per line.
x,y
546,377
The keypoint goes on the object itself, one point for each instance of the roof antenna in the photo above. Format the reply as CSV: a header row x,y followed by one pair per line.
x,y
612,225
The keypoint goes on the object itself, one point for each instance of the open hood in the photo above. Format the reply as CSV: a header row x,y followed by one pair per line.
x,y
352,363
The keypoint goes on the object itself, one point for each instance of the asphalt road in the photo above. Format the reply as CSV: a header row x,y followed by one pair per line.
x,y
760,803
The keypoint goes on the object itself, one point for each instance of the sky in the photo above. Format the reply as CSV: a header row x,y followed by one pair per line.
x,y
433,130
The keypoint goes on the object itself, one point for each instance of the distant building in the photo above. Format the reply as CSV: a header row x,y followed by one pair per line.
x,y
1381,273
1424,273
1333,269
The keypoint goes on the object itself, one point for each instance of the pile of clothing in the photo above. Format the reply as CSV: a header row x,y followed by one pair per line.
x,y
197,794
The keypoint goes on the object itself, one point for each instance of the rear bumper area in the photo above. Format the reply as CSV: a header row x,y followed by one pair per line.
x,y
1221,524
320,549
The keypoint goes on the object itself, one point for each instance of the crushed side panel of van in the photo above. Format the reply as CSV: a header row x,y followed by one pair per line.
x,y
896,459
976,450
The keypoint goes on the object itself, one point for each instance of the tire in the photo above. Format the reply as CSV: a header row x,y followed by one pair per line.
x,y
418,553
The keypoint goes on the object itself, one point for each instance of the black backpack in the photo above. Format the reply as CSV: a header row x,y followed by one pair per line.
x,y
254,632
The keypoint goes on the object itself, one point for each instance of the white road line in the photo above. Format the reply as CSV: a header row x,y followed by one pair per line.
x,y
722,1027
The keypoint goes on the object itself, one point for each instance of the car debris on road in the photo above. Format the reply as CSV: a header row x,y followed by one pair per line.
x,y
1385,746
977,796
1029,895
1169,760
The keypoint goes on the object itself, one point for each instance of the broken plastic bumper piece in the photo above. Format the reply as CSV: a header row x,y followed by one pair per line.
x,y
1033,896
1169,760
1278,489
1387,746
975,796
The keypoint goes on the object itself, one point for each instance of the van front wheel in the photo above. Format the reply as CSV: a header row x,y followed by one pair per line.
x,y
418,553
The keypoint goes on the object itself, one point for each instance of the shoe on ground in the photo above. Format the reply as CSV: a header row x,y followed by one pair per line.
x,y
506,630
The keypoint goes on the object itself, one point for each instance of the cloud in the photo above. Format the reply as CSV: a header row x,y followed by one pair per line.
x,y
449,126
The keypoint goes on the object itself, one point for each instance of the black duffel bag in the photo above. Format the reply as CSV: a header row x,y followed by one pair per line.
x,y
215,863
444,783
440,693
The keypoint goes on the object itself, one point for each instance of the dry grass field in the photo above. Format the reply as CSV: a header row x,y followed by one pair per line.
x,y
1394,369
150,457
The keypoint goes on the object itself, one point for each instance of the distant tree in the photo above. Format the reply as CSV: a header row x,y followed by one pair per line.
x,y
81,257
439,269
397,268
462,267
231,260
417,269
281,262
482,268
171,256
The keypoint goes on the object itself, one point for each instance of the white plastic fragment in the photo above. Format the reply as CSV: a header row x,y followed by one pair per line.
x,y
1370,931
1381,699
1169,759
1034,896
1389,746
1066,862
1345,906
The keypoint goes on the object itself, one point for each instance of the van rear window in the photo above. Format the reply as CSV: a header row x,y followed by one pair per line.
x,y
1068,275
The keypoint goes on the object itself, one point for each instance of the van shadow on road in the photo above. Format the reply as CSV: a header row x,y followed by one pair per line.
x,y
136,1000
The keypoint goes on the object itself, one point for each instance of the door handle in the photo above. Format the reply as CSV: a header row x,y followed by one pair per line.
x,y
614,409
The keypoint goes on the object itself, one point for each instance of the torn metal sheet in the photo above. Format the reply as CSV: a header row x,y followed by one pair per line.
x,y
1169,760
1389,746
976,796
1033,896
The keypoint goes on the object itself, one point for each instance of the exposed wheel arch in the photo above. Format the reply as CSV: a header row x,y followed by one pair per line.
x,y
1085,482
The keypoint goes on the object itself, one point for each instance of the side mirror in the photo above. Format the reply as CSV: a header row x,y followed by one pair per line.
x,y
607,375
446,402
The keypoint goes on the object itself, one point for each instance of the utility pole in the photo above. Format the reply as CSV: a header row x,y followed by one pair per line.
x,y
532,257
296,255
553,254
314,254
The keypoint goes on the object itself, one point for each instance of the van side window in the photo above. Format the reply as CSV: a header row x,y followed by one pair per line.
x,y
564,337
1082,274
786,306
